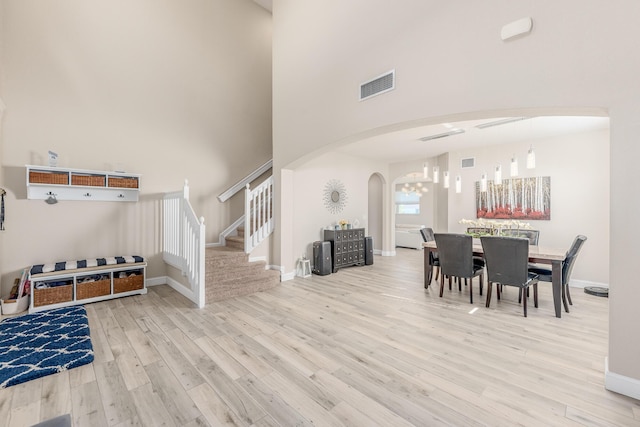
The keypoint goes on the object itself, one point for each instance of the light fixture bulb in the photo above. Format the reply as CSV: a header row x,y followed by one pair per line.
x,y
458,184
497,177
436,174
446,179
531,158
514,166
483,182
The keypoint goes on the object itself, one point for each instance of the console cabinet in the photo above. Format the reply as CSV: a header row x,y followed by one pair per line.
x,y
53,183
347,247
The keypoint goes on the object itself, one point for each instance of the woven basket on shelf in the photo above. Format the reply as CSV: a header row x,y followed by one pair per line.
x,y
89,180
126,284
54,295
38,177
93,289
123,182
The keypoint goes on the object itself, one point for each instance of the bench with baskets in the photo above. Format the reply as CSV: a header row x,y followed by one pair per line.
x,y
68,283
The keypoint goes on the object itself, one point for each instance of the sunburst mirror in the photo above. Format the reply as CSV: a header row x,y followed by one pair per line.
x,y
335,196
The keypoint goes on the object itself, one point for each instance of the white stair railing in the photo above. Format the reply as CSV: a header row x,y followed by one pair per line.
x,y
258,214
183,242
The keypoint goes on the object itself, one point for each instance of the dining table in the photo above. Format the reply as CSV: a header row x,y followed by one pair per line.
x,y
537,254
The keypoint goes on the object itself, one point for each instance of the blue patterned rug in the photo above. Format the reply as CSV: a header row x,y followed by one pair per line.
x,y
40,344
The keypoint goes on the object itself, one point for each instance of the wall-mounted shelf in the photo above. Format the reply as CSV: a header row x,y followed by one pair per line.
x,y
44,182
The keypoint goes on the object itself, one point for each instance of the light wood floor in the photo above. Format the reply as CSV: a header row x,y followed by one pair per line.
x,y
363,347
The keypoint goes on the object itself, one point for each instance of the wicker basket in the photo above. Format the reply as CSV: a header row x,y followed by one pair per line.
x,y
43,177
93,289
90,180
123,182
53,295
126,284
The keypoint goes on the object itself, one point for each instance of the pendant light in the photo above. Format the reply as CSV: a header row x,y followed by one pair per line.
x,y
436,174
446,179
458,184
425,170
531,158
483,182
497,177
514,166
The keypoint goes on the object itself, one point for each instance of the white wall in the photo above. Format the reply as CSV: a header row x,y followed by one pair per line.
x,y
452,65
171,90
310,214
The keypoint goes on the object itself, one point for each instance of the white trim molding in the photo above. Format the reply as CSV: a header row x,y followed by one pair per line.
x,y
619,383
284,277
166,280
584,283
240,185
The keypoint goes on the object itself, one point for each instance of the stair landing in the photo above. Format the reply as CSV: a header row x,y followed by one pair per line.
x,y
229,274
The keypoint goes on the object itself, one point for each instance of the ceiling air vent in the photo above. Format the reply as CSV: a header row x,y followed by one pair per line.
x,y
468,162
381,84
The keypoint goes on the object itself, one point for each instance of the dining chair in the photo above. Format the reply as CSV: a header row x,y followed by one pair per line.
x,y
507,260
456,260
567,267
427,236
532,235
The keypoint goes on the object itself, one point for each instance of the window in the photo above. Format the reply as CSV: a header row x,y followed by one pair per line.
x,y
407,203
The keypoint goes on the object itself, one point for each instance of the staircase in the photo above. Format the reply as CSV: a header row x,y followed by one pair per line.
x,y
228,273
236,242
222,272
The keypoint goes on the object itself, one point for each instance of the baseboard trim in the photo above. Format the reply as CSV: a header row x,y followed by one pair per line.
x,y
388,253
377,251
166,280
584,283
257,258
284,277
619,383
155,281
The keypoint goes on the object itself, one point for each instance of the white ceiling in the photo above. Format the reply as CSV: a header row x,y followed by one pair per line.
x,y
405,145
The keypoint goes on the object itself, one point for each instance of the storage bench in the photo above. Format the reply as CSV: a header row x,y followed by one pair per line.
x,y
68,283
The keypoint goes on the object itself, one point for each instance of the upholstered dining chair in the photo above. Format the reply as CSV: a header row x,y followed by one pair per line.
x,y
532,235
427,236
507,260
456,260
567,268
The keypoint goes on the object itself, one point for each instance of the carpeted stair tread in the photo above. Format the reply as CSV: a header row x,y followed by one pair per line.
x,y
235,242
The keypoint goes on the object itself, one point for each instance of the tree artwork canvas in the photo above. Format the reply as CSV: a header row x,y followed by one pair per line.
x,y
516,198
